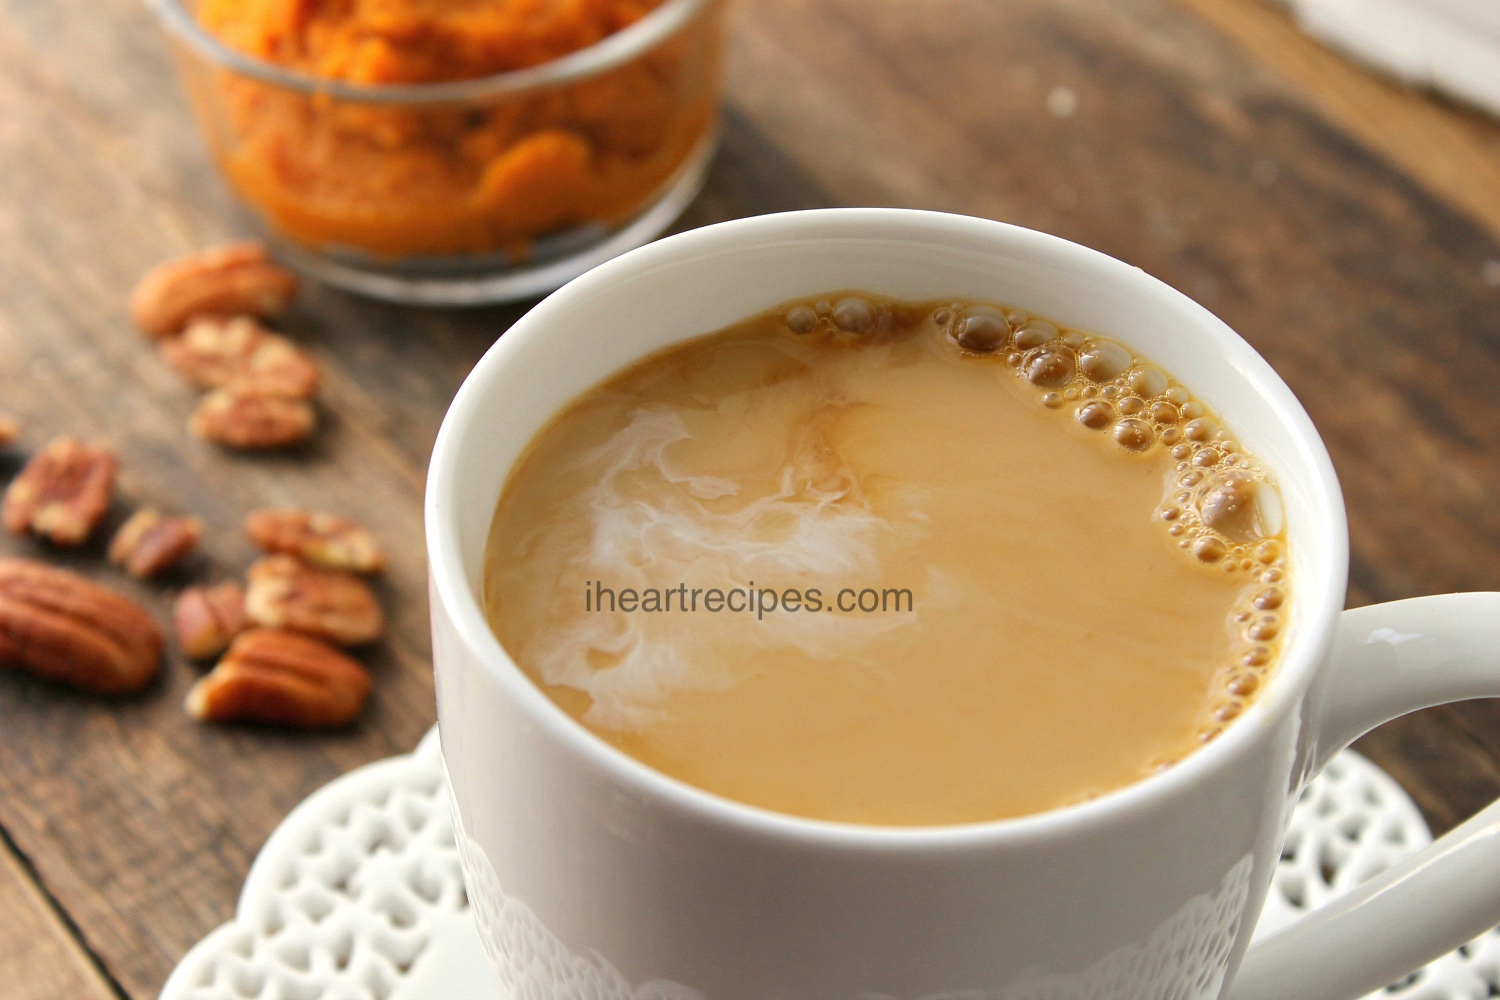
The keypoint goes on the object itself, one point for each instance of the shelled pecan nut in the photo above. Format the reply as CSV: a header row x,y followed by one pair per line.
x,y
65,628
281,679
287,594
62,493
324,540
249,420
216,351
149,543
207,619
235,280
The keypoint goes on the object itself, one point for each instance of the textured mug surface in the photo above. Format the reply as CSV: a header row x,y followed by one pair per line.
x,y
592,875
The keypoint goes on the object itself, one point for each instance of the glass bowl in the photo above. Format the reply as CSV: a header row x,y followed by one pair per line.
x,y
485,190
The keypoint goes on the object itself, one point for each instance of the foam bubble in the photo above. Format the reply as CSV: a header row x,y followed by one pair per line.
x,y
981,329
1269,510
1035,333
853,315
1096,415
1134,434
1148,381
801,319
1049,366
1104,360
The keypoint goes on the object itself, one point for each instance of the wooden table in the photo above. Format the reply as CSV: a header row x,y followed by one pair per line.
x,y
1350,230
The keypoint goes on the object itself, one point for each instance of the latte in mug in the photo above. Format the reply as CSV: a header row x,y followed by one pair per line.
x,y
893,563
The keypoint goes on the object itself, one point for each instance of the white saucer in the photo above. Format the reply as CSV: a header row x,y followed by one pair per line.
x,y
358,894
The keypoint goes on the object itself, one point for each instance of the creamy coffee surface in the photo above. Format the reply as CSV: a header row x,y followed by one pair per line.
x,y
892,563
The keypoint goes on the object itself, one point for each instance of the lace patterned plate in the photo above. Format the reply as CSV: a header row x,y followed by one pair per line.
x,y
358,894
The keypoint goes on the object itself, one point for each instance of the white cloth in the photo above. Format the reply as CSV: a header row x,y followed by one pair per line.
x,y
1450,45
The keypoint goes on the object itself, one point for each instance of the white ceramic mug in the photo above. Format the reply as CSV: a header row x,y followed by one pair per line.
x,y
594,876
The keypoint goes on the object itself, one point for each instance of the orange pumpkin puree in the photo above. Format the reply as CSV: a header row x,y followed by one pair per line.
x,y
469,177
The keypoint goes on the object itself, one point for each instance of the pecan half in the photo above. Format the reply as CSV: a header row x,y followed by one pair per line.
x,y
325,540
208,618
281,679
239,279
251,420
65,628
216,351
9,430
62,493
287,594
149,544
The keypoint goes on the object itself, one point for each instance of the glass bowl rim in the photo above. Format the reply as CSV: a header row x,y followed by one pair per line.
x,y
608,53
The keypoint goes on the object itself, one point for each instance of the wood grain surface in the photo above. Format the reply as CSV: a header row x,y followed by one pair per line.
x,y
1171,136
39,957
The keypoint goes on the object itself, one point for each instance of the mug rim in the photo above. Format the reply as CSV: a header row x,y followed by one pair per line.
x,y
1319,598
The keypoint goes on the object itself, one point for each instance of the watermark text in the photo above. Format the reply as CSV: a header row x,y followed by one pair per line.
x,y
749,599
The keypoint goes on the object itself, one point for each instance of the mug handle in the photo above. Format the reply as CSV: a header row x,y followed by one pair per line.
x,y
1388,660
